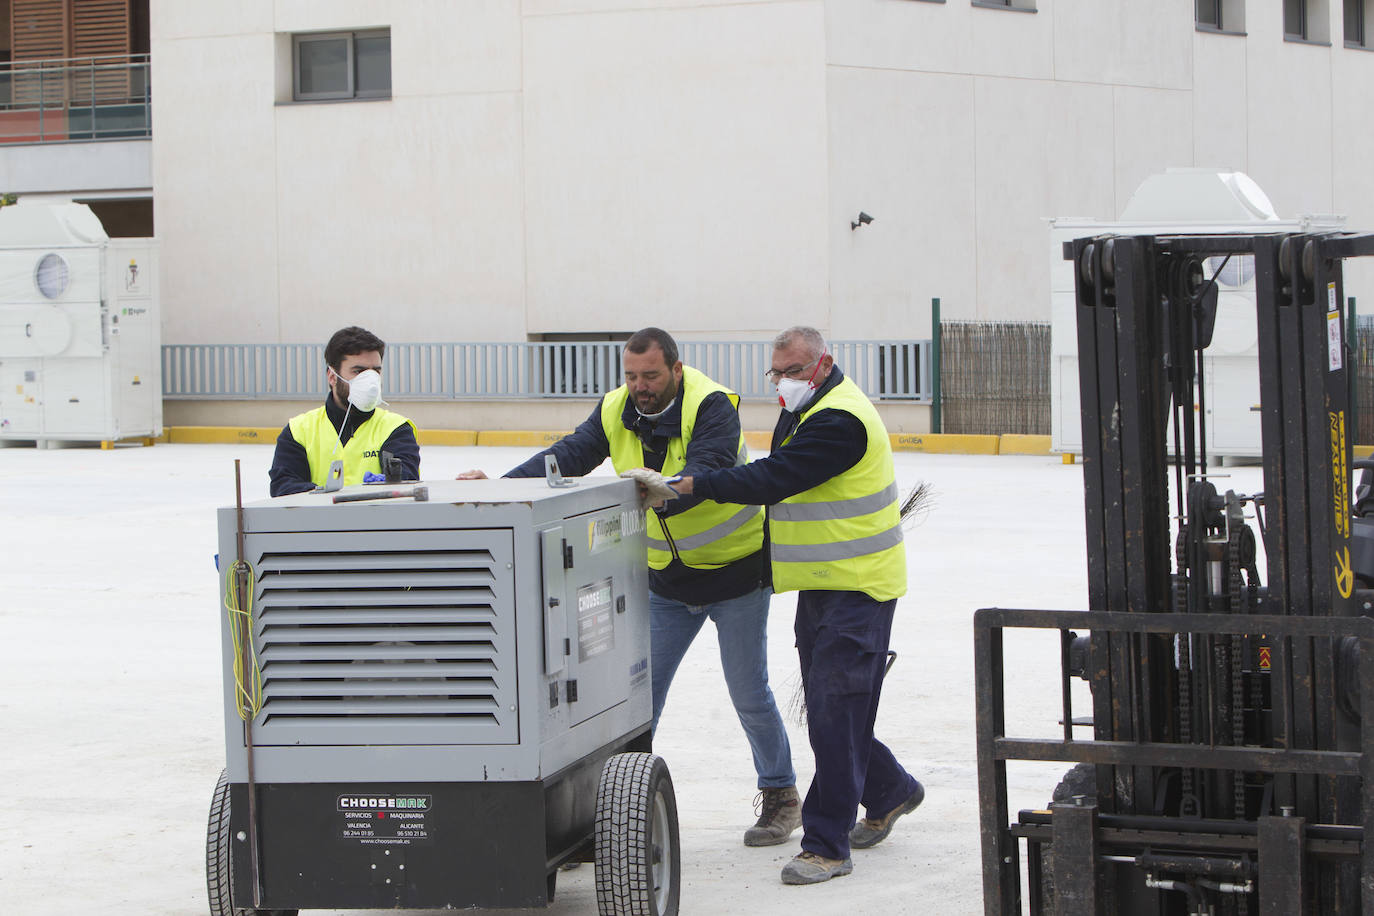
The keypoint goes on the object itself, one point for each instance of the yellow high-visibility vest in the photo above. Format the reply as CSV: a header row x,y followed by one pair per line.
x,y
362,453
710,534
846,533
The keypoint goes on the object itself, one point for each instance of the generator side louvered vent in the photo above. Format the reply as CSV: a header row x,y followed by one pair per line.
x,y
385,637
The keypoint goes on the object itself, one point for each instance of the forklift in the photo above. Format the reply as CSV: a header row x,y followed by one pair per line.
x,y
1228,772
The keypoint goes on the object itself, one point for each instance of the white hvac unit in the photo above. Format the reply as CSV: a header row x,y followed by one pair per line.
x,y
80,336
1190,202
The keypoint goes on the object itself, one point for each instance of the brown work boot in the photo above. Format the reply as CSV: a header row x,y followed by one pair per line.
x,y
809,868
780,816
872,831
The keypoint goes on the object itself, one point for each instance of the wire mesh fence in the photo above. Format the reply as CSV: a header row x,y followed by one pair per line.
x,y
1364,380
995,377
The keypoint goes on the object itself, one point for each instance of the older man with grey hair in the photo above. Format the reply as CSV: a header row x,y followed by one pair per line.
x,y
835,537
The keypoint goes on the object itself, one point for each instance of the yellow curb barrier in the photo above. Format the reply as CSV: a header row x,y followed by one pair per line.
x,y
945,443
459,437
1018,444
758,439
267,435
200,435
145,441
534,438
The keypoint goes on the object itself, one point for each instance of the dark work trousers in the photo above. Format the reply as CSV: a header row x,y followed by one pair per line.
x,y
842,640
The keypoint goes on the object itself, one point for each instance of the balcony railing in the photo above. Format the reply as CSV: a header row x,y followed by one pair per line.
x,y
84,98
888,370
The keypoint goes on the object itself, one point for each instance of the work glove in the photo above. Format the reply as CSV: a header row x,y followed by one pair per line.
x,y
653,486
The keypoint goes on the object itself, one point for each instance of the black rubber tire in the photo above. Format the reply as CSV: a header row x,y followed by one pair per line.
x,y
638,859
219,874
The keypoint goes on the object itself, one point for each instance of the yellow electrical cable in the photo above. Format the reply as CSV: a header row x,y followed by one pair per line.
x,y
247,698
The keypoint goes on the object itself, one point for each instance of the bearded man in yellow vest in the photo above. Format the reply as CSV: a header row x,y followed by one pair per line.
x,y
835,537
350,427
705,557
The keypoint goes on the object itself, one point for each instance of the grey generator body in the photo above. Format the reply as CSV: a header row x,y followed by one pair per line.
x,y
442,684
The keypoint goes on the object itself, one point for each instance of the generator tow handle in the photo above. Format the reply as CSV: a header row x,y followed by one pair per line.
x,y
242,586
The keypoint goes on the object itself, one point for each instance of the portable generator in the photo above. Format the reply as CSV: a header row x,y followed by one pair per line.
x,y
435,697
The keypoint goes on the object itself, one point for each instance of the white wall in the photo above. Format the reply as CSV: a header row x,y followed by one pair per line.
x,y
581,166
900,145
1006,118
675,168
214,183
287,221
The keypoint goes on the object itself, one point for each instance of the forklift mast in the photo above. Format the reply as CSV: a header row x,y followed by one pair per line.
x,y
1228,772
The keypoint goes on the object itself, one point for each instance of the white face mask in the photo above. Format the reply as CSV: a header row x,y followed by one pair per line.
x,y
365,390
794,393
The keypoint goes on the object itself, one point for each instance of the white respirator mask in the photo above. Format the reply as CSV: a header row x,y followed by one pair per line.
x,y
365,390
794,393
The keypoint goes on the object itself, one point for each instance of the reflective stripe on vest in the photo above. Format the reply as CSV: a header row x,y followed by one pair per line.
x,y
360,454
714,533
836,509
710,534
840,550
844,534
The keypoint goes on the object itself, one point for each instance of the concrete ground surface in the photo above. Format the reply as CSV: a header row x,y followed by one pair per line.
x,y
110,691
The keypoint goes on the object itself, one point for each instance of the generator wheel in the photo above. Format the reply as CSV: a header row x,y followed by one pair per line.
x,y
638,860
219,873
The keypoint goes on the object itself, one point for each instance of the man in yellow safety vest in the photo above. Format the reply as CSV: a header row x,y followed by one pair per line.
x,y
350,427
835,537
705,557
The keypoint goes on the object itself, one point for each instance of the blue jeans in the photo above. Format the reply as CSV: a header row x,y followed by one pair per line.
x,y
742,630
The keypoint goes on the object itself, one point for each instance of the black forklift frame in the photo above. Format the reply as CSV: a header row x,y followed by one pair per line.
x,y
1143,321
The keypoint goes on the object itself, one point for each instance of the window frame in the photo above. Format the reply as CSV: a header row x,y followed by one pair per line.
x,y
1361,9
1313,22
351,90
1298,8
1230,17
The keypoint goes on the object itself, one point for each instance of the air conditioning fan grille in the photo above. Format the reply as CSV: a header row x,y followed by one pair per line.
x,y
385,637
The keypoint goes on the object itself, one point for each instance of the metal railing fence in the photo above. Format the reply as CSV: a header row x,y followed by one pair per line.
x,y
85,98
896,370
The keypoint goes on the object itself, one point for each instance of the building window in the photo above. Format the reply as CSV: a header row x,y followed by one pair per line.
x,y
1220,16
1356,23
1305,20
342,65
1295,18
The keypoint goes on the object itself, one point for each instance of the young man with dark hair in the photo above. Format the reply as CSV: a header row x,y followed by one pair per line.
x,y
350,427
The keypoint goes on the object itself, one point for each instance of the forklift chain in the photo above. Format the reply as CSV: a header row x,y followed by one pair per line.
x,y
1238,600
1188,802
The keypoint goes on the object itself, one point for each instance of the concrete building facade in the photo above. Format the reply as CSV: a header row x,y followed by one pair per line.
x,y
582,166
549,168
